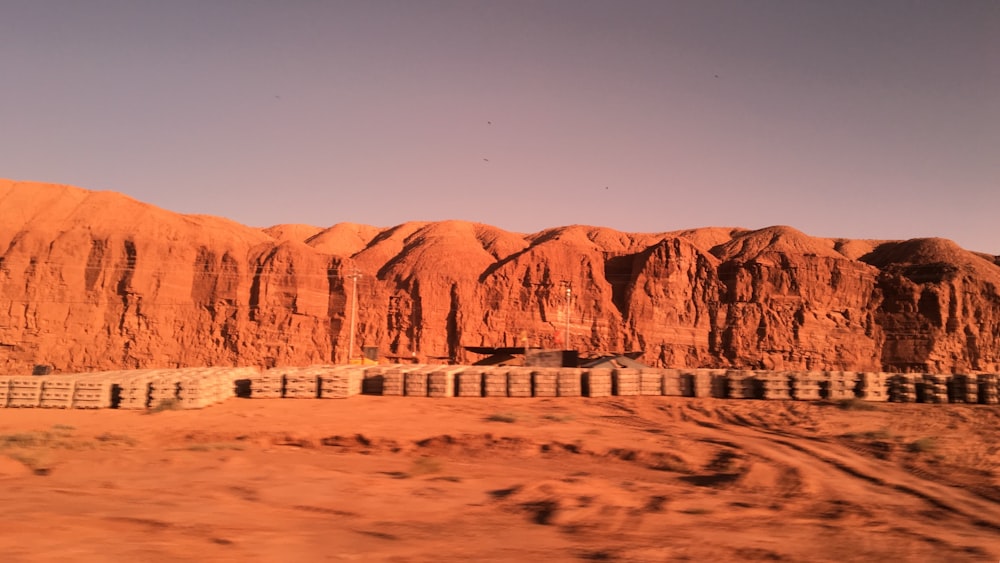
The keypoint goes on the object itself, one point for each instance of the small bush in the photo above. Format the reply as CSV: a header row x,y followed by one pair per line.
x,y
165,405
502,417
425,466
214,447
23,439
855,405
120,439
923,445
696,511
558,417
38,464
882,434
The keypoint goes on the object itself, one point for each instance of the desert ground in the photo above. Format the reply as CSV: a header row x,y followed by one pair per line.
x,y
402,479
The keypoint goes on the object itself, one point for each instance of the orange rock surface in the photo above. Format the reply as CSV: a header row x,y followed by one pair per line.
x,y
96,280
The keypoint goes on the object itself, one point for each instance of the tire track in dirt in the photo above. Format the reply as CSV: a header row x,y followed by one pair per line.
x,y
868,476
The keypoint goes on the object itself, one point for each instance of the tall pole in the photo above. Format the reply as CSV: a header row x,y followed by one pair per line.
x,y
354,275
569,294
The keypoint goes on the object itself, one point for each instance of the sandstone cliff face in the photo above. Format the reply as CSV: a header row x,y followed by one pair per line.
x,y
94,280
941,306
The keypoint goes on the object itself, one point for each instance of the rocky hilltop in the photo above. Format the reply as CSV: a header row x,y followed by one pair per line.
x,y
96,280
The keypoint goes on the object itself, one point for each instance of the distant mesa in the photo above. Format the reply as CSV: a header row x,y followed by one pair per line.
x,y
97,280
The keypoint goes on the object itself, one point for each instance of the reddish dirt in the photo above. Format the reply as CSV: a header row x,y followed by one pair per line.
x,y
402,479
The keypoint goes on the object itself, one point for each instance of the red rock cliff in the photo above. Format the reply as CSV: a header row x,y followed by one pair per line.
x,y
95,280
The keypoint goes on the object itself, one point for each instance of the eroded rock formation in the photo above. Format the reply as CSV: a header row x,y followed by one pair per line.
x,y
96,280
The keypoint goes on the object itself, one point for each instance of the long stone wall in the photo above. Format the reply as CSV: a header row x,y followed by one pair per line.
x,y
190,388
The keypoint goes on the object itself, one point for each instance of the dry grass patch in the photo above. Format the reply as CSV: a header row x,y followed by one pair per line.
x,y
507,417
557,417
856,404
425,466
165,405
923,445
215,447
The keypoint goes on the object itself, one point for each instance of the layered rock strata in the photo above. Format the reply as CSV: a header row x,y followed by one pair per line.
x,y
99,281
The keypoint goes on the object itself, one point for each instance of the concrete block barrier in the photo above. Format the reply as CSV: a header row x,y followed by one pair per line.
x,y
374,380
135,391
718,385
163,388
415,382
519,382
569,382
842,385
873,386
301,383
340,382
441,382
545,382
24,392
92,393
597,382
698,383
651,382
743,384
987,386
625,382
392,381
929,388
470,383
963,388
901,388
495,382
805,386
57,392
4,391
267,385
672,382
202,387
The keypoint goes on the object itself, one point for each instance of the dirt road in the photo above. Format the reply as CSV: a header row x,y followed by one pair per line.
x,y
403,479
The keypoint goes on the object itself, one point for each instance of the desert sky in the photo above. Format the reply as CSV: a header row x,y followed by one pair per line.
x,y
851,119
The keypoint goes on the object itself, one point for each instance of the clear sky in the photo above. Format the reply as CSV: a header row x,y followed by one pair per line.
x,y
860,119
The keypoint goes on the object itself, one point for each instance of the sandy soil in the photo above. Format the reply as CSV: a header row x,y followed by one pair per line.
x,y
402,479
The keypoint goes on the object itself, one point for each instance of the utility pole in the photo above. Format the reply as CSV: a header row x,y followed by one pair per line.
x,y
569,298
353,276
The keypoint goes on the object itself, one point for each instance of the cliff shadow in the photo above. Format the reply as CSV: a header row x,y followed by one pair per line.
x,y
618,273
501,263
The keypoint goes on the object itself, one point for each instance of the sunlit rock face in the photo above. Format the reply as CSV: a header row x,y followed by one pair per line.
x,y
96,280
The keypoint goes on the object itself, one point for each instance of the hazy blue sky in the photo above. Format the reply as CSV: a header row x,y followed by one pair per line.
x,y
861,119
